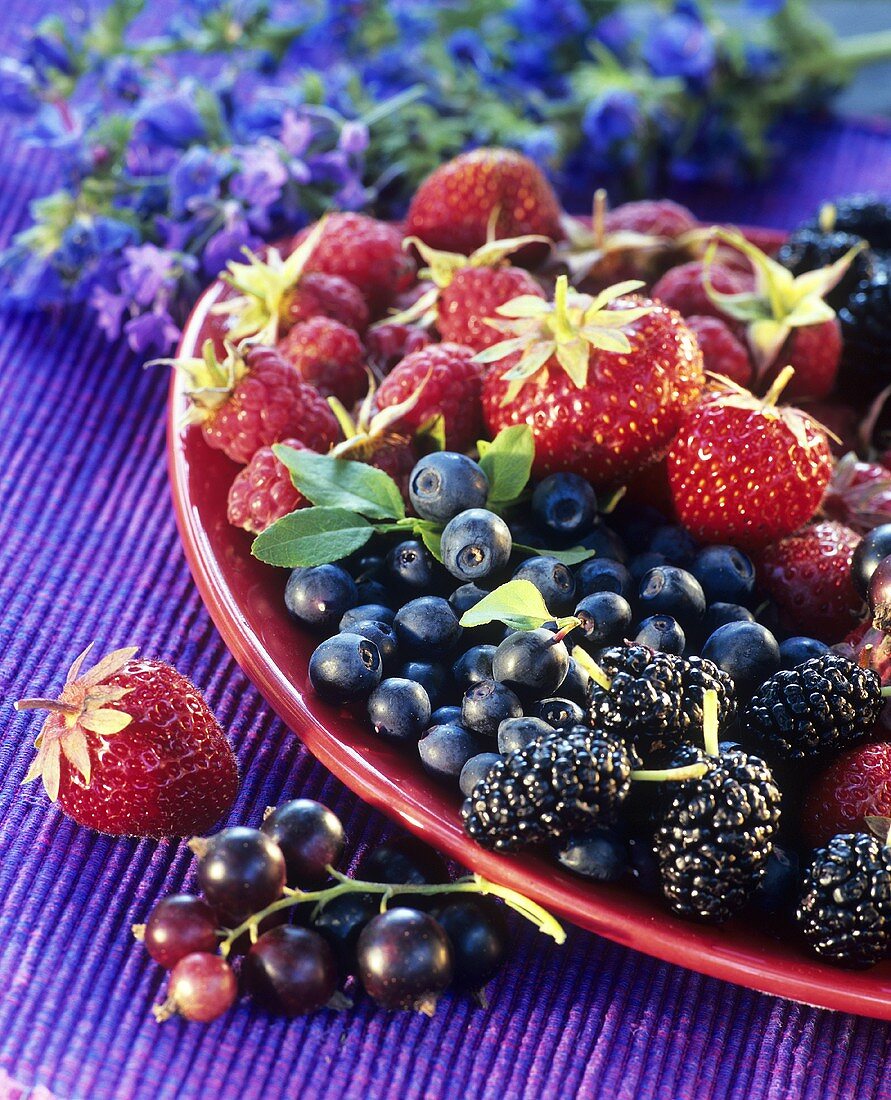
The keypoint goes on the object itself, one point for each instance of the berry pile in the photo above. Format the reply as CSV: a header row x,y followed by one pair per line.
x,y
547,507
276,918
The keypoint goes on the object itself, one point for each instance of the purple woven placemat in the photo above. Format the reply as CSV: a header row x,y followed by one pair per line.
x,y
88,550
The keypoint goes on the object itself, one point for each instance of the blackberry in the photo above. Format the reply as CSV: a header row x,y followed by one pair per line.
x,y
807,249
844,910
559,782
825,704
715,834
699,675
865,216
866,327
644,697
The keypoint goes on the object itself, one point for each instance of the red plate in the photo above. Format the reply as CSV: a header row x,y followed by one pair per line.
x,y
244,598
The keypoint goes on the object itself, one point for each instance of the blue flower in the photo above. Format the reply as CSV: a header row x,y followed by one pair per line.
x,y
18,88
152,331
124,78
228,244
616,32
259,181
541,145
766,7
169,120
149,270
467,47
680,45
47,54
354,138
610,120
110,309
196,179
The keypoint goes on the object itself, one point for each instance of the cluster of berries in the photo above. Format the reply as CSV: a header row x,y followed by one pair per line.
x,y
272,897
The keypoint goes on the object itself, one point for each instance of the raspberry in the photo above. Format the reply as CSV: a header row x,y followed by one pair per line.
x,y
319,295
683,288
388,343
263,491
329,356
473,296
722,352
659,218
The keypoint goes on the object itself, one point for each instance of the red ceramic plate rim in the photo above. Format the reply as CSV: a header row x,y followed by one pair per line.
x,y
229,582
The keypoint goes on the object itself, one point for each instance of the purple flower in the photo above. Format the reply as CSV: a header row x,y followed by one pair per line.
x,y
680,45
148,271
296,132
616,33
124,78
48,54
354,138
17,87
155,330
228,244
612,119
110,308
196,179
169,120
352,195
259,181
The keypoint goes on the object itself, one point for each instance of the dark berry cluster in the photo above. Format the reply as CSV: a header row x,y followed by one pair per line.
x,y
304,933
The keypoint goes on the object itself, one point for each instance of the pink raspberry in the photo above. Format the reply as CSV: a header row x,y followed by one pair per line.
x,y
263,492
722,352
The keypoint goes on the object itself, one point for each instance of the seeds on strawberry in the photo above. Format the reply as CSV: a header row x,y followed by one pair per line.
x,y
131,747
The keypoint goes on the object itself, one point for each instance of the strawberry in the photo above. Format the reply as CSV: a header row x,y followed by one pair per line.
x,y
131,747
449,384
745,472
787,320
659,218
263,491
722,352
251,399
498,189
602,382
275,294
808,576
366,252
859,494
856,785
684,288
329,356
388,342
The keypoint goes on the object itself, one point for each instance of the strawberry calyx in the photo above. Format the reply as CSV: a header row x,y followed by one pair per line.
x,y
370,430
209,381
565,330
266,286
82,708
780,301
441,267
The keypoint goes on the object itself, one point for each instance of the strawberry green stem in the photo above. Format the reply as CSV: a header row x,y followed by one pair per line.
x,y
54,705
598,217
780,382
561,321
864,49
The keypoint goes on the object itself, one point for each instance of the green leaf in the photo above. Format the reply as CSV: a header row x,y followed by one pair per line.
x,y
431,536
507,462
312,536
431,434
572,556
517,604
342,483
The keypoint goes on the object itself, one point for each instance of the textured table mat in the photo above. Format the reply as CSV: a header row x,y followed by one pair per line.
x,y
88,550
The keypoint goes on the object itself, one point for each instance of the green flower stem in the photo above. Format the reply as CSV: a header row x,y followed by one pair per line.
x,y
472,884
886,691
864,49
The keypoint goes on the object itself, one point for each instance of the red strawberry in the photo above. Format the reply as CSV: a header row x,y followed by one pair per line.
x,y
252,400
787,321
659,218
131,747
856,785
602,382
745,472
449,383
263,491
722,352
684,288
389,342
329,356
473,295
859,494
275,294
808,576
366,252
455,206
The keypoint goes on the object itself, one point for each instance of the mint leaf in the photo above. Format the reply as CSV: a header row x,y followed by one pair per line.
x,y
572,556
431,535
341,483
312,536
517,604
507,462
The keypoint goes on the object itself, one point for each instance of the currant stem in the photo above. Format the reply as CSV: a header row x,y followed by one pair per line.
x,y
566,626
670,775
710,722
589,665
886,691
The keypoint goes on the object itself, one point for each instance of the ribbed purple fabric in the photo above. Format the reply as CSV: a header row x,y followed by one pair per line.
x,y
88,550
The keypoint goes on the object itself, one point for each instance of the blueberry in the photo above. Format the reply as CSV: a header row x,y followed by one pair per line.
x,y
661,632
445,716
486,705
558,712
668,590
475,543
476,768
466,596
445,483
516,733
372,592
345,667
726,574
875,545
604,575
412,566
366,613
637,523
384,637
399,708
318,597
605,618
604,542
597,854
676,543
575,686
473,666
641,564
795,651
431,675
365,567
720,614
644,866
553,580
777,891
564,505
747,652
531,662
427,625
444,750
